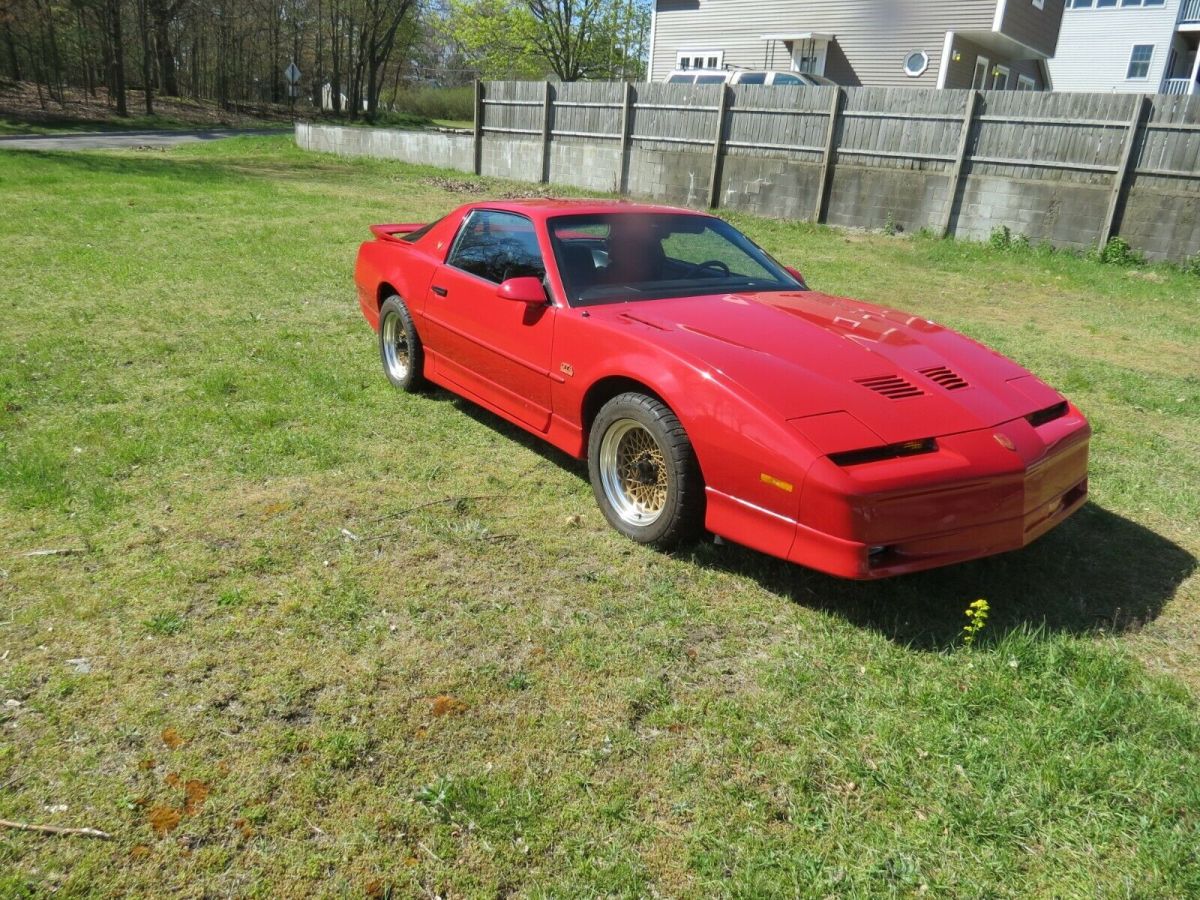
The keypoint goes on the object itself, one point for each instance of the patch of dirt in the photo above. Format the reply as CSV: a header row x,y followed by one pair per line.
x,y
454,185
445,705
164,819
195,793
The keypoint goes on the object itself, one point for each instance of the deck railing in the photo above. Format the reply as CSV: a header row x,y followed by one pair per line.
x,y
1190,13
1177,86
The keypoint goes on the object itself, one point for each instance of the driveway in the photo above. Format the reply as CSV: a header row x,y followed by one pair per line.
x,y
116,140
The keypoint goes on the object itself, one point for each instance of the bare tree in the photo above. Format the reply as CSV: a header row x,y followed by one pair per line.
x,y
566,28
384,18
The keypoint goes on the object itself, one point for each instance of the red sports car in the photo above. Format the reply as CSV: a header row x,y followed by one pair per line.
x,y
710,388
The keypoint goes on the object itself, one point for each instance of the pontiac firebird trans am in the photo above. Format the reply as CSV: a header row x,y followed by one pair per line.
x,y
710,388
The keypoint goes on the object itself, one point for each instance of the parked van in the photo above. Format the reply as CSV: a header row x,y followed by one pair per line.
x,y
745,76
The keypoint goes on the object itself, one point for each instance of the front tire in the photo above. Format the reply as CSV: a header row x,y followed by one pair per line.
x,y
400,348
644,472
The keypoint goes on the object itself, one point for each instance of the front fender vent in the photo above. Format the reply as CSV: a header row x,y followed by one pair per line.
x,y
945,377
891,386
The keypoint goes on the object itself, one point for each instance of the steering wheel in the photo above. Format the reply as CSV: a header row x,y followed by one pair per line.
x,y
708,264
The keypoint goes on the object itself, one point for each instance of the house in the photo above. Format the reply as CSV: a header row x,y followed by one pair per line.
x,y
987,44
1135,46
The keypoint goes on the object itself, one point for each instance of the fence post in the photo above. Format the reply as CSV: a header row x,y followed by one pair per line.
x,y
547,112
827,157
1114,200
714,179
478,167
626,139
964,141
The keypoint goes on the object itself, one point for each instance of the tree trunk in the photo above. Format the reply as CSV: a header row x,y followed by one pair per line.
x,y
147,60
117,82
335,81
14,61
167,70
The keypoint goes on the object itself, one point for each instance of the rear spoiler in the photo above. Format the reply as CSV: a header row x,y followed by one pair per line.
x,y
392,232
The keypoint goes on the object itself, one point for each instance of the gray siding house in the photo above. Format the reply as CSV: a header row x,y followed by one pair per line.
x,y
1134,46
988,44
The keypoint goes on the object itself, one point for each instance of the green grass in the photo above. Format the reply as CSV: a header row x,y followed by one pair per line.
x,y
497,694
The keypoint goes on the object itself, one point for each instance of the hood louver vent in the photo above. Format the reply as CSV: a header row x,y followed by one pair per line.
x,y
945,377
891,386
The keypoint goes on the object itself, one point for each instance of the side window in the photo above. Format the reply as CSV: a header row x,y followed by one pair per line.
x,y
497,246
784,78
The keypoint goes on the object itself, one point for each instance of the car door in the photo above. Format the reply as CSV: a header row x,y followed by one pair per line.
x,y
493,348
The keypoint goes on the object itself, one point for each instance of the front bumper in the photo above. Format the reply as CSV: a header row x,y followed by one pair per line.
x,y
982,493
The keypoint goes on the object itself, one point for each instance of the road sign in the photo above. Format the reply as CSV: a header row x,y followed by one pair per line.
x,y
291,73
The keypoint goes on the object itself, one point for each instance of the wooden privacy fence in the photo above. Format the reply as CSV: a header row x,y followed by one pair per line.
x,y
951,161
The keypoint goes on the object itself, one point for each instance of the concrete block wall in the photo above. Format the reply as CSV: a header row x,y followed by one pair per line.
x,y
508,156
450,151
594,166
770,186
1067,214
873,196
1161,215
676,177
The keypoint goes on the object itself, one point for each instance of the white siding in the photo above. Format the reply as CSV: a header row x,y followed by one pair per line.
x,y
874,35
1094,47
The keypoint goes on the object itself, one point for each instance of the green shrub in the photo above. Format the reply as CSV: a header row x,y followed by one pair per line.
x,y
1117,252
1001,238
457,103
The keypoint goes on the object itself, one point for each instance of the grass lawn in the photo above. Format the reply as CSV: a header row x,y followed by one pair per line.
x,y
278,666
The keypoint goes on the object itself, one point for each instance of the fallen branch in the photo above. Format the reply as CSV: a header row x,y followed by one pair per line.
x,y
54,829
62,551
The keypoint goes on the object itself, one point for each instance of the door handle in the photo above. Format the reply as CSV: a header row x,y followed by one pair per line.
x,y
440,291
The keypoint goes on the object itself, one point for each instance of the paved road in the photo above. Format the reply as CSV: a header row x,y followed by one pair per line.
x,y
115,140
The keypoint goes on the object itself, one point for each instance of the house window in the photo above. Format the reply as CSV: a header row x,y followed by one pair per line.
x,y
1025,83
1139,61
700,59
916,63
1000,78
979,81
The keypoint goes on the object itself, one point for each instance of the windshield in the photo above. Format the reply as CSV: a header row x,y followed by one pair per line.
x,y
618,257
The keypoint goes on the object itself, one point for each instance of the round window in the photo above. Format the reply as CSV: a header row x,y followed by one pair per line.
x,y
916,63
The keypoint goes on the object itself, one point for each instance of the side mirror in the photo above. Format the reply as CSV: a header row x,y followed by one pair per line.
x,y
527,290
795,273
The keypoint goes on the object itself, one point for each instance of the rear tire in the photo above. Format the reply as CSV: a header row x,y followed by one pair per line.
x,y
644,472
400,348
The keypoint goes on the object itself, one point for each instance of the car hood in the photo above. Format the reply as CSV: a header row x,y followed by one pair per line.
x,y
805,354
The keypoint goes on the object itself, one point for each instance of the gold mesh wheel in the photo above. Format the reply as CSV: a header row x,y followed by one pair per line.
x,y
633,472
